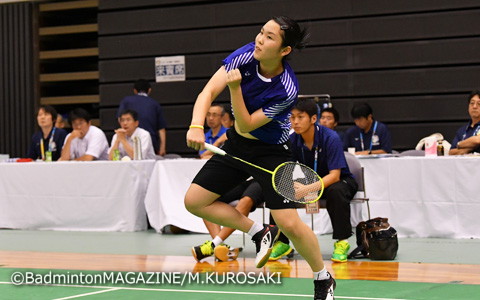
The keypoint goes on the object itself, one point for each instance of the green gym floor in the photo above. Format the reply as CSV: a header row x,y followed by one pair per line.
x,y
425,251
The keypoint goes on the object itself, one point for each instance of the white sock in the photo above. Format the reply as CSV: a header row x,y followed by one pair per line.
x,y
217,241
256,227
321,275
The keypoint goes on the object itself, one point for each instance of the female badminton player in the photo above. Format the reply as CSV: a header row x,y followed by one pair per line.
x,y
263,89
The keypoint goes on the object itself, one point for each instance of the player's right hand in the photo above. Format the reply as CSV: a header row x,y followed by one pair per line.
x,y
196,138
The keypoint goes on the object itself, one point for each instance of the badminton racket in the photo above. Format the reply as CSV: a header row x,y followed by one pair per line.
x,y
293,181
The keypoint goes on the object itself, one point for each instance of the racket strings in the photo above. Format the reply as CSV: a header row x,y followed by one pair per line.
x,y
296,182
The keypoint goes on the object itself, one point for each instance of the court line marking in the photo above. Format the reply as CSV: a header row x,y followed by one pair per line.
x,y
87,294
197,291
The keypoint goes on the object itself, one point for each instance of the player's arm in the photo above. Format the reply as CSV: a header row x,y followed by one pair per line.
x,y
244,121
216,84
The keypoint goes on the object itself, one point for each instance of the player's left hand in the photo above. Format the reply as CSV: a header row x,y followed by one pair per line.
x,y
234,77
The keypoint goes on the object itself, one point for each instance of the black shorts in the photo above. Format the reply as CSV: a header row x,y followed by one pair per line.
x,y
221,174
249,188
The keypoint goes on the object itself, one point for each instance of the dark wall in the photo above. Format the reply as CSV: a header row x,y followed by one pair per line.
x,y
415,62
17,78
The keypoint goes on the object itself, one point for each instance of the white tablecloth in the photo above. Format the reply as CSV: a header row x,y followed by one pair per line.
x,y
85,196
170,180
426,196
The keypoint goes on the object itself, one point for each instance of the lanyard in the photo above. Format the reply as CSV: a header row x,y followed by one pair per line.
x,y
315,158
371,139
50,142
316,153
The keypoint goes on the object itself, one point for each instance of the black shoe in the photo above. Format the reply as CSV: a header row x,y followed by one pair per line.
x,y
202,251
324,289
264,241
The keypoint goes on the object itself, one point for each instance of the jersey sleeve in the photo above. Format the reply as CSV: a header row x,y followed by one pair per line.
x,y
239,57
335,155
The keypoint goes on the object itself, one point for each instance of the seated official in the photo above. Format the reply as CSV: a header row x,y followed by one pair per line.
x,y
214,119
60,122
150,114
320,148
49,138
329,118
123,140
368,136
228,120
86,142
467,139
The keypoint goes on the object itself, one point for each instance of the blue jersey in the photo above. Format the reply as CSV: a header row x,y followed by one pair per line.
x,y
275,96
328,148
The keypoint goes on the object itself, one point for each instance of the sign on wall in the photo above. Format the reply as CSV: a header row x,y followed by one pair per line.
x,y
170,68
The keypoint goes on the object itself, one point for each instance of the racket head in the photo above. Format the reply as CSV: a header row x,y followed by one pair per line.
x,y
309,185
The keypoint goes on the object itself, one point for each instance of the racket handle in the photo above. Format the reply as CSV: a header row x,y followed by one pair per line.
x,y
214,149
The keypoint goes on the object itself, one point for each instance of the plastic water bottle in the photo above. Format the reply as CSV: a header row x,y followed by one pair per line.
x,y
137,148
116,155
48,156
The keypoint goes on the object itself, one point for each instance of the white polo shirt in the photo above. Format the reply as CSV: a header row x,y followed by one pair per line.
x,y
145,140
94,143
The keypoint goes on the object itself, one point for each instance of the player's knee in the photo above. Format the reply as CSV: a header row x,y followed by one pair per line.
x,y
191,204
288,226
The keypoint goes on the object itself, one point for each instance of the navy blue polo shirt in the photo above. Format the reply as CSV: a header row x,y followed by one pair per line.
x,y
56,146
330,152
465,132
209,138
355,137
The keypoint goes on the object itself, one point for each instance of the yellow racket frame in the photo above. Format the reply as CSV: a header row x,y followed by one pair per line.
x,y
219,151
